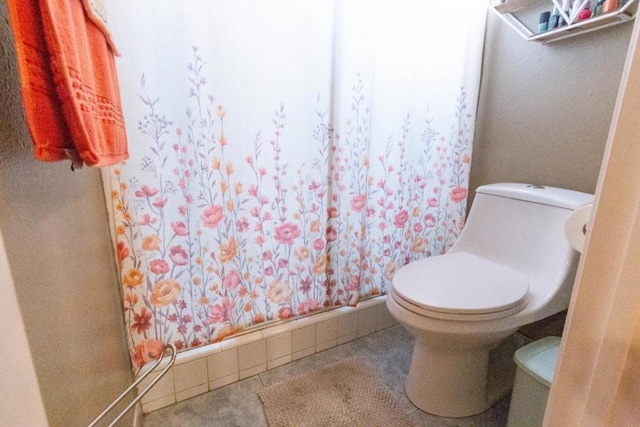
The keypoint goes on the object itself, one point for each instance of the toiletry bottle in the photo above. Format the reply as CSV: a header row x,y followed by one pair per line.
x,y
543,23
597,11
609,6
553,20
566,7
585,13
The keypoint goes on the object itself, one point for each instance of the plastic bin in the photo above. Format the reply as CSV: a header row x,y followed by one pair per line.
x,y
536,363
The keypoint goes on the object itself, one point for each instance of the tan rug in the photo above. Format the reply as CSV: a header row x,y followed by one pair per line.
x,y
346,393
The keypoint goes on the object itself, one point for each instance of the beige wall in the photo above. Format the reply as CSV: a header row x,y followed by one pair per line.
x,y
56,234
545,109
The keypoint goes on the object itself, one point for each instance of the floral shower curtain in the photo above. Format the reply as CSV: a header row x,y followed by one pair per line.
x,y
286,156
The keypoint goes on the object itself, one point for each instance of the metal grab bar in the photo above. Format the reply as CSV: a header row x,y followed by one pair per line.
x,y
136,382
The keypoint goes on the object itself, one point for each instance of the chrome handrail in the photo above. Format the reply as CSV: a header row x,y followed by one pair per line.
x,y
136,382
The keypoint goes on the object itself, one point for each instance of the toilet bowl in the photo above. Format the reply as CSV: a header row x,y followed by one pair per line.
x,y
512,265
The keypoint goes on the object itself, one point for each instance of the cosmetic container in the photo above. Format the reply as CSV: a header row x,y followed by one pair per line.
x,y
553,20
609,6
585,13
543,23
597,11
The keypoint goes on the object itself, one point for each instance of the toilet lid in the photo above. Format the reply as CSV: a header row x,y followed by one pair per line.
x,y
461,284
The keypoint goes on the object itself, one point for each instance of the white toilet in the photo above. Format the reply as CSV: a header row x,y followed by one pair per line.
x,y
512,265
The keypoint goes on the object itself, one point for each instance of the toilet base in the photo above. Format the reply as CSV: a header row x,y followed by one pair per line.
x,y
457,382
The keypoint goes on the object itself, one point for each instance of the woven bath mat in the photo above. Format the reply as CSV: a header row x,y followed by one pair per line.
x,y
346,393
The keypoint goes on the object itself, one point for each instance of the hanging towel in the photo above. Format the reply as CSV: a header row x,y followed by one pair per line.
x,y
85,89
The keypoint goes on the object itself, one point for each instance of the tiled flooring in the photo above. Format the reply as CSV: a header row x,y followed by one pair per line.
x,y
389,351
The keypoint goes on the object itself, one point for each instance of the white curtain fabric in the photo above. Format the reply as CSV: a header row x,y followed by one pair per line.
x,y
286,156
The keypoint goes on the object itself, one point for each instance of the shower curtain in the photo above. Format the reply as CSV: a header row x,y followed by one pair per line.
x,y
285,156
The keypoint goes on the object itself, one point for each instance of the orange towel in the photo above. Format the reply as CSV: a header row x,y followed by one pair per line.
x,y
69,82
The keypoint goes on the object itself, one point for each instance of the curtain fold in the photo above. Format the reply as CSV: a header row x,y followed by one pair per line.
x,y
286,157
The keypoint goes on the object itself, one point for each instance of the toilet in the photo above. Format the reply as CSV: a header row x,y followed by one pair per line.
x,y
512,265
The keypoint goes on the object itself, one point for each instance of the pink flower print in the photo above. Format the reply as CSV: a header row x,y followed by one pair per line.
x,y
242,224
305,285
268,271
249,160
262,171
285,312
430,220
260,240
267,255
307,306
182,210
432,202
165,292
357,202
147,351
253,190
147,220
417,227
147,192
212,216
258,226
279,292
332,212
458,194
401,218
282,263
318,244
220,312
180,228
390,270
371,211
314,185
231,280
159,202
142,321
386,252
159,266
287,233
331,234
178,255
267,216
255,211
354,283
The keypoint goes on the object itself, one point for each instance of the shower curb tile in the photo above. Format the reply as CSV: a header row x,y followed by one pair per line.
x,y
346,338
222,365
241,340
158,404
221,382
365,332
279,346
189,375
197,353
253,371
303,353
326,345
192,392
279,329
271,364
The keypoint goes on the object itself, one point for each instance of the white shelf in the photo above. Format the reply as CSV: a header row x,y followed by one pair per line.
x,y
507,12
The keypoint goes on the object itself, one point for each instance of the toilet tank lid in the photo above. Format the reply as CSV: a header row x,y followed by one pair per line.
x,y
545,195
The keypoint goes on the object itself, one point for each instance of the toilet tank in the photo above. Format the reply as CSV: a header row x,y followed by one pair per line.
x,y
521,226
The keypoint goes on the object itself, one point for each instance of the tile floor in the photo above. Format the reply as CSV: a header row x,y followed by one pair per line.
x,y
237,404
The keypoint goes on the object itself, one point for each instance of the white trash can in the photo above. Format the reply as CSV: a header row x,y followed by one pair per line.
x,y
536,363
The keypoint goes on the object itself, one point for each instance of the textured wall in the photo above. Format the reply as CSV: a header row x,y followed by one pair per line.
x,y
545,110
56,234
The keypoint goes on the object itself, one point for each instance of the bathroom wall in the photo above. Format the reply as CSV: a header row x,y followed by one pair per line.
x,y
544,114
56,234
545,109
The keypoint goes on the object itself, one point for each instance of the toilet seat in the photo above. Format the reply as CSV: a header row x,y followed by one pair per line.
x,y
460,286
